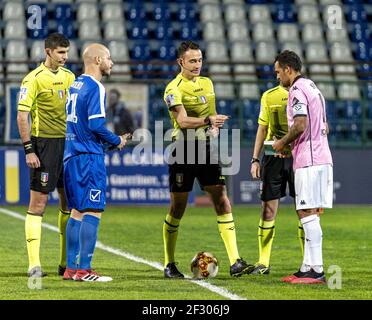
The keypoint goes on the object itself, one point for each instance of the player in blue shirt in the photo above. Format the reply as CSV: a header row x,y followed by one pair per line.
x,y
85,171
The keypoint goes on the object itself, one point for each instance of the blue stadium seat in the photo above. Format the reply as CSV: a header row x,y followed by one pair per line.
x,y
284,13
189,31
350,109
368,91
186,13
66,28
360,32
142,70
363,51
64,12
369,110
251,109
266,72
138,30
256,1
365,71
140,51
356,13
167,51
331,108
136,11
164,31
161,12
224,106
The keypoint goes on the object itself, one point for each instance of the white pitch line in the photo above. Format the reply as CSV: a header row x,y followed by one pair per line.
x,y
218,290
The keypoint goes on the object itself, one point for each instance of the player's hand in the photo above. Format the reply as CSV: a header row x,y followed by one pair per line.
x,y
213,131
32,160
123,140
255,170
218,120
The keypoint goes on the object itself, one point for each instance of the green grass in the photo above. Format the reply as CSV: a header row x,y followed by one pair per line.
x,y
347,242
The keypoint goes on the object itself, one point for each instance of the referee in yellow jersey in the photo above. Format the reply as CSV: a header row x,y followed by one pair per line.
x,y
190,99
43,96
276,173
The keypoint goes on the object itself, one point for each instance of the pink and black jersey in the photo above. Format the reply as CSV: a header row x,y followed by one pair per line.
x,y
311,148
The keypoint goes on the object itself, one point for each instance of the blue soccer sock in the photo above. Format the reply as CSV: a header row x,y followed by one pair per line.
x,y
72,242
88,239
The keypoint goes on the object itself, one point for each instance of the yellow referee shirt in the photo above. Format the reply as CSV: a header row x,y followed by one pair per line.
x,y
43,93
197,97
273,113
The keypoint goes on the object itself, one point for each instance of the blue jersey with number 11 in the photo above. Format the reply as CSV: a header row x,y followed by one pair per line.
x,y
86,112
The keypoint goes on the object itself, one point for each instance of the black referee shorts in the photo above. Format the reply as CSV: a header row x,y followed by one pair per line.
x,y
207,172
50,173
276,174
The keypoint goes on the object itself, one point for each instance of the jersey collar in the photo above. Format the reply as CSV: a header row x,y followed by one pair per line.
x,y
46,68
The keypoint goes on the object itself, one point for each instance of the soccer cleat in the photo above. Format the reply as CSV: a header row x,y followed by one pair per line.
x,y
89,275
36,272
172,272
69,274
261,269
240,267
296,275
61,270
310,277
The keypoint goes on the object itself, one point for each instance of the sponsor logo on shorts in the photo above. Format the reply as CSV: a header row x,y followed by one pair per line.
x,y
179,179
44,177
95,195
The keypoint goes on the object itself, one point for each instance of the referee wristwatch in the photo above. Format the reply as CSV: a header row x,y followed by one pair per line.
x,y
255,160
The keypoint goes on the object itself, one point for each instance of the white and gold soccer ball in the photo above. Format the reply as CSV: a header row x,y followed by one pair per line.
x,y
204,265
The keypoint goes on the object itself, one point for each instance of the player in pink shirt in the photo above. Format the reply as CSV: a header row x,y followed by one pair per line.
x,y
312,161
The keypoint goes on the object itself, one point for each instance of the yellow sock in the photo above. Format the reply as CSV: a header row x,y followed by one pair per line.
x,y
62,222
226,227
33,236
170,233
266,233
301,237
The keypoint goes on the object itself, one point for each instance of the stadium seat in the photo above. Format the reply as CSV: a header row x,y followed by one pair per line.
x,y
63,12
312,33
365,71
164,31
234,13
360,32
115,30
249,91
241,51
320,72
136,11
37,53
73,51
340,52
266,72
220,72
189,31
263,32
363,51
259,13
244,72
16,50
120,56
352,110
213,31
345,72
308,14
288,32
15,30
266,52
112,11
327,89
210,12
140,51
284,13
316,52
186,13
139,30
224,90
89,30
237,31
293,46
308,2
224,106
87,11
216,51
167,51
347,91
356,13
251,109
329,2
66,28
13,11
161,12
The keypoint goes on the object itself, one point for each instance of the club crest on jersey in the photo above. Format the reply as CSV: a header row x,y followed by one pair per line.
x,y
95,195
170,100
22,93
61,94
203,99
44,177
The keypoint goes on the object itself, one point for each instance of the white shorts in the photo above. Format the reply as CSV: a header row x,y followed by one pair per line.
x,y
314,187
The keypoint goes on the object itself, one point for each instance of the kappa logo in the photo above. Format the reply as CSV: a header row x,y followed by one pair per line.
x,y
302,202
95,195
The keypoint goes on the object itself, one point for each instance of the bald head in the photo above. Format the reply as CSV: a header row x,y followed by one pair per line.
x,y
93,51
97,57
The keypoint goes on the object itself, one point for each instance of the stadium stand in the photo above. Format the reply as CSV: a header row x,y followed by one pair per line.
x,y
240,39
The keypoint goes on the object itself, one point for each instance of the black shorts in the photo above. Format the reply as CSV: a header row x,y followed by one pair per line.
x,y
276,174
207,172
50,173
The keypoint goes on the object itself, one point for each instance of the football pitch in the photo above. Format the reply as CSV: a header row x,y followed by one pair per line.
x,y
131,251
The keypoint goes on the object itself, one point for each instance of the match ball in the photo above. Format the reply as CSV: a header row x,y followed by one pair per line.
x,y
204,265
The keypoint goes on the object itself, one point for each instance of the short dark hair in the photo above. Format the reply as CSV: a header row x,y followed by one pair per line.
x,y
115,91
289,58
186,45
55,40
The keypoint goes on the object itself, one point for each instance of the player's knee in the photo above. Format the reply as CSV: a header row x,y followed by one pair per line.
x,y
222,205
268,213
